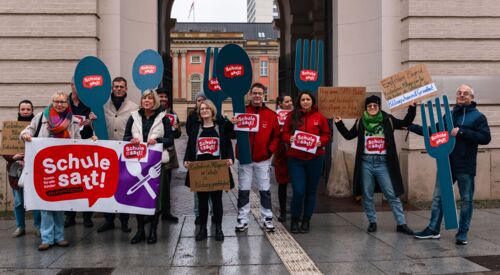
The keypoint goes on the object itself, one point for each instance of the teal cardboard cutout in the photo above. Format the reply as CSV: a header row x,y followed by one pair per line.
x,y
93,86
308,76
147,70
439,144
211,86
234,72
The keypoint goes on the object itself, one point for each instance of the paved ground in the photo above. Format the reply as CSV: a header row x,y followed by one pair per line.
x,y
337,244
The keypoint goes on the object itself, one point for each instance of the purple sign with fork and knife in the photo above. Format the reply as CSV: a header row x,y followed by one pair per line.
x,y
139,182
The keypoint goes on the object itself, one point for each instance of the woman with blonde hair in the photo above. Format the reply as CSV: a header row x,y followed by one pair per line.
x,y
148,124
56,121
216,130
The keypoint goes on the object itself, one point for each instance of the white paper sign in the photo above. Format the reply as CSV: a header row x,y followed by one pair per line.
x,y
305,142
247,122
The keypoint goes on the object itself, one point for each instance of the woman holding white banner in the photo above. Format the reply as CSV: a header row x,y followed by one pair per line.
x,y
209,139
307,132
377,159
148,124
56,121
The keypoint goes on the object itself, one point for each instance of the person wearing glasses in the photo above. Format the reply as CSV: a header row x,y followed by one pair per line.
x,y
377,159
470,130
56,121
117,112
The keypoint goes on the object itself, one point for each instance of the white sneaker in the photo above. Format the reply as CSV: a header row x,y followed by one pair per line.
x,y
267,225
18,233
241,227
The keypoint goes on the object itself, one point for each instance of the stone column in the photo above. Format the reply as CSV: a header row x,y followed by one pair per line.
x,y
175,74
183,76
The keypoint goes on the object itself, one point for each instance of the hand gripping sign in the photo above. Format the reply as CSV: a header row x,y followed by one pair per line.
x,y
93,86
308,76
211,86
147,70
439,144
234,72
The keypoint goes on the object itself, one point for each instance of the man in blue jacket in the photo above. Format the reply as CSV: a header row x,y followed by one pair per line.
x,y
470,130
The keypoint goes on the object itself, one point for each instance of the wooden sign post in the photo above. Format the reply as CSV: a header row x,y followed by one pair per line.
x,y
11,144
209,175
414,84
344,102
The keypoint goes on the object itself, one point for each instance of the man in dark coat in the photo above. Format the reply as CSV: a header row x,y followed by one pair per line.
x,y
470,130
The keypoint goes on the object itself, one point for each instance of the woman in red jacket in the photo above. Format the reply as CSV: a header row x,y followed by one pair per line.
x,y
284,104
302,127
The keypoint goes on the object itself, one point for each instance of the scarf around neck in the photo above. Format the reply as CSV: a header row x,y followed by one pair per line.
x,y
58,123
371,122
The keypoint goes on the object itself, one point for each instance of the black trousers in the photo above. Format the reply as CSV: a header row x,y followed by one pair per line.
x,y
72,215
110,217
216,197
166,177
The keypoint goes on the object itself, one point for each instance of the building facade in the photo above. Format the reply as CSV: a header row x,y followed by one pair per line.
x,y
188,54
262,11
365,41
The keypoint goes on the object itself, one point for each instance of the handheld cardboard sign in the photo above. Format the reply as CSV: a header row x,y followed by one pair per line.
x,y
234,72
93,86
308,76
147,70
211,86
439,144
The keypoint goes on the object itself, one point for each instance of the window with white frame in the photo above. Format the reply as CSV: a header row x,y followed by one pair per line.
x,y
195,85
263,67
195,59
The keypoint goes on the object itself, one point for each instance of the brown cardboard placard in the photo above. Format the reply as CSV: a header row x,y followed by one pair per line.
x,y
402,88
11,144
209,175
344,102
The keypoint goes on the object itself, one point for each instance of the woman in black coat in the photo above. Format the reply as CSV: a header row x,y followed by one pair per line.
x,y
209,129
377,159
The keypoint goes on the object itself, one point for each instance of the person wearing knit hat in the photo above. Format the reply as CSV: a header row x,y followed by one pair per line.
x,y
377,159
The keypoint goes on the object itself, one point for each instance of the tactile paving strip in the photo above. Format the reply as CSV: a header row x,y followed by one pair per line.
x,y
291,253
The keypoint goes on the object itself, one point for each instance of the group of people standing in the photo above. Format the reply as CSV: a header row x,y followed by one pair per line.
x,y
376,167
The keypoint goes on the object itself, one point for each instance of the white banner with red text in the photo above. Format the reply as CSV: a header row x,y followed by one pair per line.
x,y
82,175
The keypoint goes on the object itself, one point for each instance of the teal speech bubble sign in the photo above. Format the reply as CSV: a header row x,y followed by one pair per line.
x,y
147,70
234,73
93,86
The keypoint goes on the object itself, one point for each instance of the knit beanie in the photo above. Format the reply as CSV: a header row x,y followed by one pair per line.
x,y
372,99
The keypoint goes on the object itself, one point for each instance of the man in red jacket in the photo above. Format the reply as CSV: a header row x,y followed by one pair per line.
x,y
263,144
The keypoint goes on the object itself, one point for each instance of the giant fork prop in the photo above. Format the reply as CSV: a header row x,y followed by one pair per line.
x,y
308,76
439,144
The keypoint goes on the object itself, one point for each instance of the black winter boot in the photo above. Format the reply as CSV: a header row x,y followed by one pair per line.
x,y
202,232
305,226
219,235
294,226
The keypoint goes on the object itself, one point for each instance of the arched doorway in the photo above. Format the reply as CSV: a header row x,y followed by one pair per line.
x,y
298,19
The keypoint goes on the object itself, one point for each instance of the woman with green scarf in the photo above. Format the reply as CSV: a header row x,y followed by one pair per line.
x,y
377,159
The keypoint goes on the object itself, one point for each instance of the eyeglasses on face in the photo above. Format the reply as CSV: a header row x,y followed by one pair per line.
x,y
59,102
372,106
463,93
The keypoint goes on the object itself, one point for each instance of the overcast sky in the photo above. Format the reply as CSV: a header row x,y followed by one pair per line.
x,y
210,10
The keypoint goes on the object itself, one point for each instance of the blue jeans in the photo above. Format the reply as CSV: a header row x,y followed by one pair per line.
x,y
305,178
19,211
466,189
375,167
52,229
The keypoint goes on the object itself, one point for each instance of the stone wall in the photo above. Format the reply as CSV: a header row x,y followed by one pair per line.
x,y
40,44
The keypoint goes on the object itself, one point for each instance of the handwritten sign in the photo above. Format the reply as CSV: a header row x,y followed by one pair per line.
x,y
345,102
406,86
305,142
247,122
209,175
11,144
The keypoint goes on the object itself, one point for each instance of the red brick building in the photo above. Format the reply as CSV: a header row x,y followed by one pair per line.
x,y
189,42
